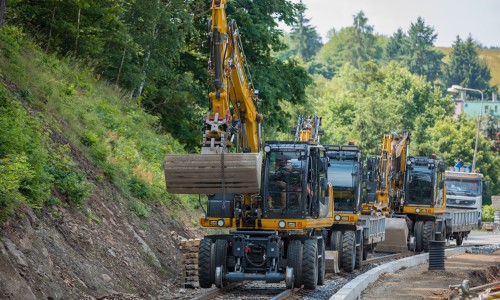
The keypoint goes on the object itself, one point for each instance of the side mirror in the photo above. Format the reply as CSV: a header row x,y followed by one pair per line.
x,y
486,188
441,184
324,184
441,167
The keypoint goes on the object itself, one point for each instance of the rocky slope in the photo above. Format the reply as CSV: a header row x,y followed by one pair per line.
x,y
99,251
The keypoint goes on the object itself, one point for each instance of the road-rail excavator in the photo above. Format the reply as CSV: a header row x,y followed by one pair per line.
x,y
277,210
410,191
353,234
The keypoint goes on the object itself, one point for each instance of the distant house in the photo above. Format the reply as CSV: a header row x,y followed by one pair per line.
x,y
473,107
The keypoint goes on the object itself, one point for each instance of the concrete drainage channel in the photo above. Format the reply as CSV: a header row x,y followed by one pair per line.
x,y
355,287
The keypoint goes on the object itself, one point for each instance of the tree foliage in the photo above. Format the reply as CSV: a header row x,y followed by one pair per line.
x,y
364,105
303,39
355,45
415,50
466,69
157,51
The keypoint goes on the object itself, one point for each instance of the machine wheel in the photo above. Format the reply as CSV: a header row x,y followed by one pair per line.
x,y
321,262
205,266
419,233
295,261
367,248
336,244
429,232
220,261
310,264
349,251
459,239
359,254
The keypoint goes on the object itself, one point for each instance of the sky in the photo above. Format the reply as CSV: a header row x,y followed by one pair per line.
x,y
480,18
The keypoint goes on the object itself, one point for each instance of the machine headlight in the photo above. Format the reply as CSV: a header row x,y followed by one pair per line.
x,y
267,149
337,217
220,222
417,210
282,224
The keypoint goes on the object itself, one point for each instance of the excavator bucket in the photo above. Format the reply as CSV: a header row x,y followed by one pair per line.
x,y
204,173
396,233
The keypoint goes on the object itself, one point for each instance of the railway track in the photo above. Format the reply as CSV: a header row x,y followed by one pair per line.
x,y
260,290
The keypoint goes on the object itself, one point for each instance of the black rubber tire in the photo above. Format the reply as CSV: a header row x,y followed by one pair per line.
x,y
459,239
428,236
349,251
310,264
220,258
205,267
419,233
365,252
336,244
294,261
359,254
321,262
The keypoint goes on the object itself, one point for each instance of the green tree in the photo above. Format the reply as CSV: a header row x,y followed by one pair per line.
x,y
415,50
452,138
363,105
395,47
466,69
305,41
355,44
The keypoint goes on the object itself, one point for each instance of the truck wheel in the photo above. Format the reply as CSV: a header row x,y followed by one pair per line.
x,y
295,261
429,232
321,262
336,244
359,254
349,251
459,239
365,252
310,264
221,260
206,269
419,233
443,234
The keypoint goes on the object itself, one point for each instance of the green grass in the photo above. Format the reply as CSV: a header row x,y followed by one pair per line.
x,y
112,130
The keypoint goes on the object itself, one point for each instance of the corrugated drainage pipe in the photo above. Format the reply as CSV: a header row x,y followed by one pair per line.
x,y
436,255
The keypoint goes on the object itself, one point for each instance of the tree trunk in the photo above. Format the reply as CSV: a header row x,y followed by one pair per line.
x,y
50,30
77,29
121,66
3,10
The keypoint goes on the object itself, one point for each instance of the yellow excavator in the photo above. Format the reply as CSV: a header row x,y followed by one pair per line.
x,y
276,204
409,192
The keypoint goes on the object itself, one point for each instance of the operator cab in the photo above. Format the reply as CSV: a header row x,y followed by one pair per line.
x,y
424,182
295,180
345,175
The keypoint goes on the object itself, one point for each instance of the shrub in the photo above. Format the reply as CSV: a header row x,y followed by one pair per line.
x,y
11,40
89,138
23,156
488,213
138,208
140,188
66,179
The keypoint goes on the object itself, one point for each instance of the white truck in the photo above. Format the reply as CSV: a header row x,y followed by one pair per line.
x,y
464,190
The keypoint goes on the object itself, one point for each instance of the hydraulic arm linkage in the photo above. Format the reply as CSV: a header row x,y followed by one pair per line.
x,y
230,160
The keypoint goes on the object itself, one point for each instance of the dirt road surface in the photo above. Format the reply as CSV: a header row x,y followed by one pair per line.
x,y
419,283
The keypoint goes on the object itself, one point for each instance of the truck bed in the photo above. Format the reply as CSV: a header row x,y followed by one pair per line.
x,y
460,220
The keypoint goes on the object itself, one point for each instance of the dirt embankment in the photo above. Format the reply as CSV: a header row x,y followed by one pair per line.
x,y
100,251
419,283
